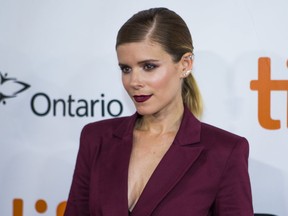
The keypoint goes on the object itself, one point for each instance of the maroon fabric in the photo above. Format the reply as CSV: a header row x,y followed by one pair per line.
x,y
205,172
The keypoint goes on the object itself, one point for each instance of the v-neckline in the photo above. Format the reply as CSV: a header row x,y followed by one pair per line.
x,y
173,166
162,153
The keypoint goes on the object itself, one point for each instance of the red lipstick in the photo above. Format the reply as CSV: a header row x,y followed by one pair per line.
x,y
141,98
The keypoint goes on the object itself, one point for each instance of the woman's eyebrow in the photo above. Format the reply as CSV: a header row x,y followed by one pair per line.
x,y
140,62
148,60
121,65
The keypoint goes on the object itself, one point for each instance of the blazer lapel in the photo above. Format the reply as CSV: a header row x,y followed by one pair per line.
x,y
114,169
173,166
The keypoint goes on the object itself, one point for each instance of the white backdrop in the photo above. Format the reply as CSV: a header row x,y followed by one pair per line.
x,y
58,56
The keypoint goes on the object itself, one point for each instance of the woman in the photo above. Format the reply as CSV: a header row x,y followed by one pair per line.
x,y
162,160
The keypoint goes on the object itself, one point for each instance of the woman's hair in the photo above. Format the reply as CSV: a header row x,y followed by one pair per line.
x,y
170,31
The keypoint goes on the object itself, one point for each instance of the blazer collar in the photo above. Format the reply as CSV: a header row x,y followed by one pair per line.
x,y
189,131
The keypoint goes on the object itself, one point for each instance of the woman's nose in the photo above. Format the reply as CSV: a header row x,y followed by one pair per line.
x,y
136,79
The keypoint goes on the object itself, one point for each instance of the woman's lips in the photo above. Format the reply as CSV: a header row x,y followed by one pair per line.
x,y
141,98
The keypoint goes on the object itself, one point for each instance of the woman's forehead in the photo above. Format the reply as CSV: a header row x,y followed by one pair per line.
x,y
140,51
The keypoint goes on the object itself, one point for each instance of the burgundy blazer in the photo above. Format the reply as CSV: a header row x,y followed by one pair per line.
x,y
204,173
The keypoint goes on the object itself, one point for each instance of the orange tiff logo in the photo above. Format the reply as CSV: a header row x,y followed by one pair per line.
x,y
40,207
264,85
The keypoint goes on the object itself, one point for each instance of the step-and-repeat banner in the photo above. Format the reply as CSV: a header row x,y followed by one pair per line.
x,y
58,72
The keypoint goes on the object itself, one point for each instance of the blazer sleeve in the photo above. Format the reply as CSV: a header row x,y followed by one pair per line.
x,y
78,200
234,196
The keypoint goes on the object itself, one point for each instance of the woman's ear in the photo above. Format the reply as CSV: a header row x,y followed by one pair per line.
x,y
187,61
186,64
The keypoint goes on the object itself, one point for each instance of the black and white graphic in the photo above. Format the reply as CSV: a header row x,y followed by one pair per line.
x,y
10,87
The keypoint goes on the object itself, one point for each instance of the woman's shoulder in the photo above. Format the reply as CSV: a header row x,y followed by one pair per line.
x,y
95,133
215,136
217,131
223,146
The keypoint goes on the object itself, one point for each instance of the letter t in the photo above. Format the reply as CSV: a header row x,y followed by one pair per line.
x,y
264,86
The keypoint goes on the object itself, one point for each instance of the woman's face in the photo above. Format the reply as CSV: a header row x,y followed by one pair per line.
x,y
150,77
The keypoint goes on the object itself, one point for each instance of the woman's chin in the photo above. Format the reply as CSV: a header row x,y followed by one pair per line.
x,y
143,111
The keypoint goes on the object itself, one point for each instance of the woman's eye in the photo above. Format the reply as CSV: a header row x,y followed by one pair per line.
x,y
149,67
125,69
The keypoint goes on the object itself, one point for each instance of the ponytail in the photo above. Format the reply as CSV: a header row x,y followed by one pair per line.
x,y
191,96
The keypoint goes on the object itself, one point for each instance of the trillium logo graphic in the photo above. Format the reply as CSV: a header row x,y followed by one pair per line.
x,y
10,87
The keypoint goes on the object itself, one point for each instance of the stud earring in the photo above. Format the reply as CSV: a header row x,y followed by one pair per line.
x,y
186,73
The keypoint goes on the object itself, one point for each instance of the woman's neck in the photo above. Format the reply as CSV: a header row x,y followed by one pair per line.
x,y
161,123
